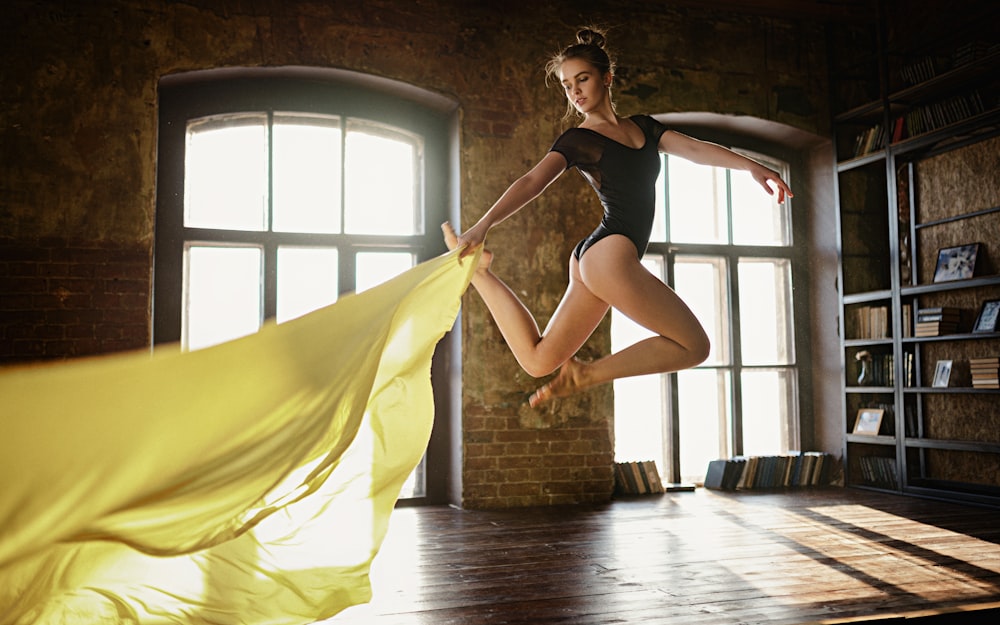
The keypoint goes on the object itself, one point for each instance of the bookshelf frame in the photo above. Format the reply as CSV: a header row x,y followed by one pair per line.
x,y
903,441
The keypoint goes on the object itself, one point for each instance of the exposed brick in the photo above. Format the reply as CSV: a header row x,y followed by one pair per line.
x,y
524,488
480,463
52,306
511,436
519,462
559,435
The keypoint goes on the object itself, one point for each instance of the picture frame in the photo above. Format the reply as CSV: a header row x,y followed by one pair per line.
x,y
942,374
988,315
956,263
868,421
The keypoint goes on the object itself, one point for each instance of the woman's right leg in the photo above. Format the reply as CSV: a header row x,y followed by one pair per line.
x,y
571,324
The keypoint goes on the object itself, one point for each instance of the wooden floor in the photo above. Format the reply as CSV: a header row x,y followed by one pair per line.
x,y
811,556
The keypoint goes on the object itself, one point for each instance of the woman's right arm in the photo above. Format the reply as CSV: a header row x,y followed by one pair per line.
x,y
520,192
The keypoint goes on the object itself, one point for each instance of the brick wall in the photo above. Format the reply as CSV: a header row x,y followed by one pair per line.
x,y
62,299
78,127
509,464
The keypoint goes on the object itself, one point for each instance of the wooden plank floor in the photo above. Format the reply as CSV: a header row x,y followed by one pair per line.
x,y
810,556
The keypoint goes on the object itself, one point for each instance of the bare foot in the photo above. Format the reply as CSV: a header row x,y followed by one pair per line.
x,y
451,241
571,379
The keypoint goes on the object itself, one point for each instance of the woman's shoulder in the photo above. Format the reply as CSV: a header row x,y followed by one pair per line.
x,y
650,126
647,121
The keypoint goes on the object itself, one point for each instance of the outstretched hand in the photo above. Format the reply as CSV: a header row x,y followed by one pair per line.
x,y
765,177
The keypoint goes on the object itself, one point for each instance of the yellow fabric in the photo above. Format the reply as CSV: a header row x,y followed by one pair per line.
x,y
250,482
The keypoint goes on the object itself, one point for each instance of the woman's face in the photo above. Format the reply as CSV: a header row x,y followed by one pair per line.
x,y
583,84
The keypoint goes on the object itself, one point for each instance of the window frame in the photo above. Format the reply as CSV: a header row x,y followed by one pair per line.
x,y
311,91
795,253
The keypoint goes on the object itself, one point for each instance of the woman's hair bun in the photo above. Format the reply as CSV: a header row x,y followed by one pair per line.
x,y
591,36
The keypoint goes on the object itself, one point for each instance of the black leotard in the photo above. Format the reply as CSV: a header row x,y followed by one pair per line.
x,y
623,177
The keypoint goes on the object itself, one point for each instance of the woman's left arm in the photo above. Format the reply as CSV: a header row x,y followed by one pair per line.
x,y
706,153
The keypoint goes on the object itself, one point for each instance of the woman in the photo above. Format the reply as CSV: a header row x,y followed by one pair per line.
x,y
619,157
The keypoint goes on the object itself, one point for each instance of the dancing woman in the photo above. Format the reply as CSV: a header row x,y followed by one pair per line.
x,y
619,156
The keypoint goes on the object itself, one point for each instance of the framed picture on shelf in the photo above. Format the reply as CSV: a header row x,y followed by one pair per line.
x,y
868,421
942,373
987,320
956,263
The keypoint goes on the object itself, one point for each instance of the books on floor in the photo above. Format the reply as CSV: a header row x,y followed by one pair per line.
x,y
637,478
985,372
810,468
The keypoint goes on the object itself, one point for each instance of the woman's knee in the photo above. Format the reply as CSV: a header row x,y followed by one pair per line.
x,y
538,365
698,347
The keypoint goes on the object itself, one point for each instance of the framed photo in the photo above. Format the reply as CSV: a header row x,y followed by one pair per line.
x,y
942,373
956,263
987,320
868,422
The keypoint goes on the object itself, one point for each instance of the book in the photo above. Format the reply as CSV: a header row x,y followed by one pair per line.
x,y
985,362
716,474
653,476
640,484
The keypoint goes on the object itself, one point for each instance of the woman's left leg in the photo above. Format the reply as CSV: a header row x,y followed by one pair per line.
x,y
612,272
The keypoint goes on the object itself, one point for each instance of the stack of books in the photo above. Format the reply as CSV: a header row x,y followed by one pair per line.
x,y
937,321
985,372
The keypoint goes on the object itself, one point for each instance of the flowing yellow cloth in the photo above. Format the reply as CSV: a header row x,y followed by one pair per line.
x,y
250,482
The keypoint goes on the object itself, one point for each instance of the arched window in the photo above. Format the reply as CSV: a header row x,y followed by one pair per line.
x,y
280,190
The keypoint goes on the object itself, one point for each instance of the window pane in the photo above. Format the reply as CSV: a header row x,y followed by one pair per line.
x,y
705,411
698,205
758,219
639,401
701,283
306,162
381,185
769,411
374,268
765,287
222,294
225,173
307,280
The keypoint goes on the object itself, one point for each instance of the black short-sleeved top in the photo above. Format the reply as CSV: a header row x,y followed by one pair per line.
x,y
623,177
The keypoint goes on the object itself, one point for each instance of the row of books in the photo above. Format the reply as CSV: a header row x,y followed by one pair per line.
x,y
939,114
878,471
985,372
922,70
928,67
811,468
918,121
870,322
637,478
937,321
881,371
